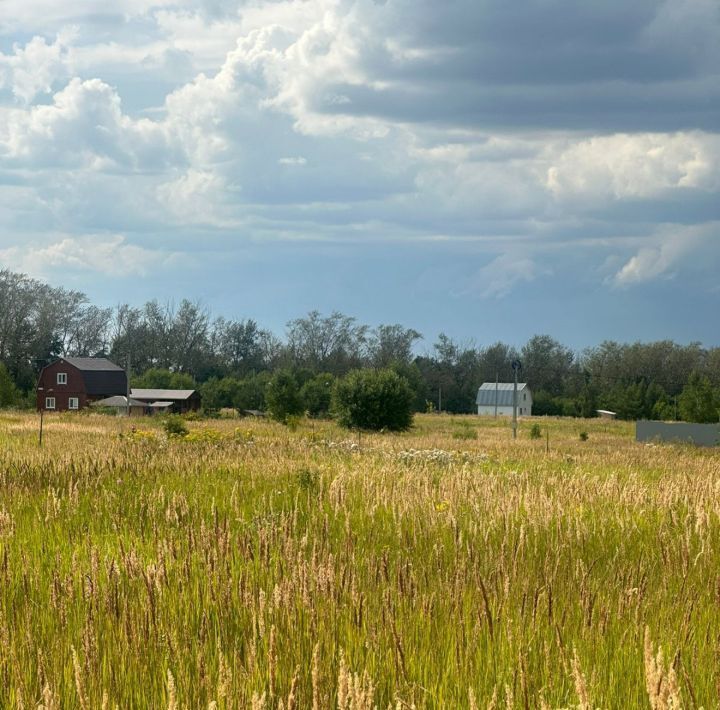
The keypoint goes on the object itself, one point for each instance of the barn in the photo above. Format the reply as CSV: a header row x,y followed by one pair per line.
x,y
72,383
497,398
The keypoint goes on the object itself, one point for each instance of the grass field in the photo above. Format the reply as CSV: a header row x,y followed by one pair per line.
x,y
253,566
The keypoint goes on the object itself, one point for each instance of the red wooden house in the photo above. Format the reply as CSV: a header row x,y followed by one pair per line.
x,y
72,383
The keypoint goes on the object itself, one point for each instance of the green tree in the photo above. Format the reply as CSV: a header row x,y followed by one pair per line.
x,y
164,380
282,396
699,401
9,394
373,399
316,394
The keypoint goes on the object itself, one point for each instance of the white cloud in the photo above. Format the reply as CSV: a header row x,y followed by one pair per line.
x,y
631,166
108,255
504,273
298,160
666,251
83,127
34,68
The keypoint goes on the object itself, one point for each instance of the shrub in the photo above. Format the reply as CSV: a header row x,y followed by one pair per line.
x,y
584,436
373,399
283,396
535,432
316,394
174,425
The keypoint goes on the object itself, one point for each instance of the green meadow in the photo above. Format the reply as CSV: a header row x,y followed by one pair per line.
x,y
248,565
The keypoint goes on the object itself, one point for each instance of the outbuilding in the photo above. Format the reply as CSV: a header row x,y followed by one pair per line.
x,y
178,401
496,398
72,383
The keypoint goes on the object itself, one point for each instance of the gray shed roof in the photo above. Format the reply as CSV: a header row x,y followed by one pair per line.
x,y
161,395
502,391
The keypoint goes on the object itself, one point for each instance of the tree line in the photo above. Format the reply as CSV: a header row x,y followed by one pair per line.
x,y
237,363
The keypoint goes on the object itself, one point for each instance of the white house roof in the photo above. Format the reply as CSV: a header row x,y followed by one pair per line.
x,y
500,393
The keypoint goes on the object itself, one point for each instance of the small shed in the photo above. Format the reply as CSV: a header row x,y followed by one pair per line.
x,y
606,414
177,401
120,404
497,398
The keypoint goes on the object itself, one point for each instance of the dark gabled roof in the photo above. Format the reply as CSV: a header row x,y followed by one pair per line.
x,y
101,377
93,364
501,393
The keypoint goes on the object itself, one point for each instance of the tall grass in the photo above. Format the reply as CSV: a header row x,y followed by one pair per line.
x,y
262,568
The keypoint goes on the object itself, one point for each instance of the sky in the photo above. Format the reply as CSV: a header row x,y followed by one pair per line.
x,y
483,168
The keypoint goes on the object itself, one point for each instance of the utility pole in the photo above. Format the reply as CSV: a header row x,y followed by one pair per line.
x,y
41,427
515,366
496,393
127,389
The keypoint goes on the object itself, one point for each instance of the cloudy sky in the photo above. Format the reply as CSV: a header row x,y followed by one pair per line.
x,y
486,168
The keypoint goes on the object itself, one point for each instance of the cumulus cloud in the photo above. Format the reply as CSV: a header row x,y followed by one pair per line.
x,y
369,121
632,166
34,68
667,251
84,127
107,255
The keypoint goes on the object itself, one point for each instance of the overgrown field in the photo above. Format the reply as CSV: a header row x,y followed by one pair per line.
x,y
253,566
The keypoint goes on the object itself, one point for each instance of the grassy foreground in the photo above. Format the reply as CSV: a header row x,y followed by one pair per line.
x,y
251,566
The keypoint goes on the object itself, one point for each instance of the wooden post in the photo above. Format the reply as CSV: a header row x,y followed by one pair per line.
x,y
41,426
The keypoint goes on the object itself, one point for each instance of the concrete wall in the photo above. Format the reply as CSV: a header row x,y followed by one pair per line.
x,y
698,434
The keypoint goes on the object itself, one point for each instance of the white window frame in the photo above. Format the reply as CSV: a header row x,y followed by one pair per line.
x,y
49,402
62,378
75,400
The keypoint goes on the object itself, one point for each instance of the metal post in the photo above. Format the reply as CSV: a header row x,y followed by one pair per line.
x,y
127,388
496,393
515,366
41,425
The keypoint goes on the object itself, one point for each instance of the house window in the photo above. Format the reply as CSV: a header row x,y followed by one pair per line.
x,y
73,403
49,402
524,397
62,378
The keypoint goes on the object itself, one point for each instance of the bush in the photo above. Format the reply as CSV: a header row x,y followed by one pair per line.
x,y
373,399
535,431
283,396
174,425
316,394
584,436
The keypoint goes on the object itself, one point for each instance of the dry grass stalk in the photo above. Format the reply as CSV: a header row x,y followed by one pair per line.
x,y
171,692
661,681
580,683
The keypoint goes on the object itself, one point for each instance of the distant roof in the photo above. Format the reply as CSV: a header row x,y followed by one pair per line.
x,y
500,393
161,395
94,364
605,411
117,401
160,405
